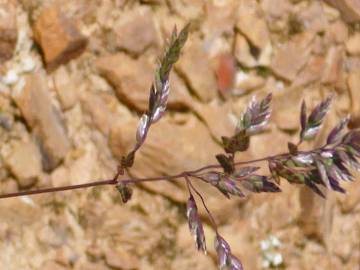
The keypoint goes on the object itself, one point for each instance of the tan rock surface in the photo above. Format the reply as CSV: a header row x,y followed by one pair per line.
x,y
251,22
338,31
314,17
333,67
44,119
289,58
293,49
132,80
354,87
25,163
194,67
135,31
102,117
8,29
218,118
65,87
242,52
312,72
350,9
353,44
58,37
121,260
285,116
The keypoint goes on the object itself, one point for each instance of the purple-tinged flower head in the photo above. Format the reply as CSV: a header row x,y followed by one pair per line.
x,y
335,134
310,126
195,225
142,128
226,260
256,116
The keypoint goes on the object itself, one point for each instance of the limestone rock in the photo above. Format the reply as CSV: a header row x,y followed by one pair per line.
x,y
24,163
217,117
312,72
338,32
26,214
242,245
60,177
333,70
242,52
343,239
188,9
354,87
283,115
350,9
135,31
8,29
194,66
44,119
313,17
179,96
51,265
221,17
350,201
102,117
121,260
132,80
251,22
51,236
353,44
292,56
246,82
259,146
9,186
315,217
65,88
91,266
58,37
276,8
185,242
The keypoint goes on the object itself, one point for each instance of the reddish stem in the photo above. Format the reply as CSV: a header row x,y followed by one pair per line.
x,y
136,180
55,189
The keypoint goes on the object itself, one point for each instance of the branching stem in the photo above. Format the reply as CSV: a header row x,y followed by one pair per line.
x,y
115,180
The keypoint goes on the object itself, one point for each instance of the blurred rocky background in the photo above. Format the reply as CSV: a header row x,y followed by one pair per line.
x,y
74,78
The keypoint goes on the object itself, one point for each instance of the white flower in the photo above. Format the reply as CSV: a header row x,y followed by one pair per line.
x,y
277,259
10,78
264,245
265,264
275,242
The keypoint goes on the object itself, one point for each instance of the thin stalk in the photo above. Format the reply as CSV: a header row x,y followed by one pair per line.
x,y
115,180
56,189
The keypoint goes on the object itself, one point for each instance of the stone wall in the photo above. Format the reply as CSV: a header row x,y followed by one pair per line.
x,y
74,78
